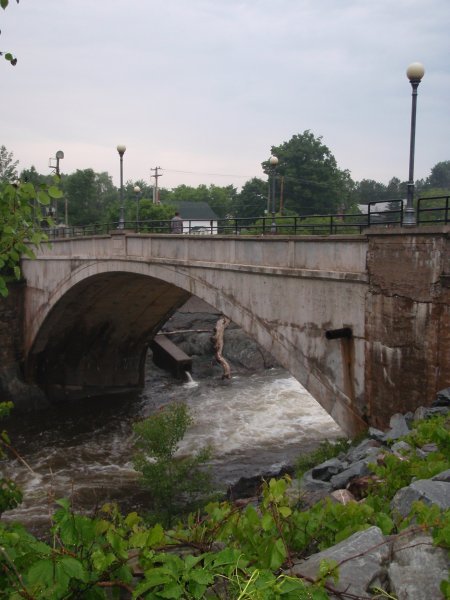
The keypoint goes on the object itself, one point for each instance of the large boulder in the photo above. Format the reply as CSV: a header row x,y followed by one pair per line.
x,y
429,491
362,563
417,567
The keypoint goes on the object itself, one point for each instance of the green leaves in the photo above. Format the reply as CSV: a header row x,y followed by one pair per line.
x,y
20,225
175,483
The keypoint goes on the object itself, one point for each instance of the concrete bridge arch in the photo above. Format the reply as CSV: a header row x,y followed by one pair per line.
x,y
92,304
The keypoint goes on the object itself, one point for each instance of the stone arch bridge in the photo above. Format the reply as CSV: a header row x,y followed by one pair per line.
x,y
361,321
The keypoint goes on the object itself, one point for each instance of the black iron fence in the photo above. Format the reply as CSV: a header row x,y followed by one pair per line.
x,y
429,211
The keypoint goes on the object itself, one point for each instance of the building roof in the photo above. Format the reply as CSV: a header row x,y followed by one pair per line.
x,y
192,211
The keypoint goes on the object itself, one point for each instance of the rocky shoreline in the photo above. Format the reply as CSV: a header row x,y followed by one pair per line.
x,y
407,564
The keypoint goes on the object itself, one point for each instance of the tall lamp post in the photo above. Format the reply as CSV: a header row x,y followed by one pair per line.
x,y
53,210
121,150
273,161
137,191
414,72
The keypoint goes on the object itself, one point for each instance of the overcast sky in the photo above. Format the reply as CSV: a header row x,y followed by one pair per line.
x,y
204,88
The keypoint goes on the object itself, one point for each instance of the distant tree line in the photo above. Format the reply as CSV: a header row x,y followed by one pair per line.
x,y
307,178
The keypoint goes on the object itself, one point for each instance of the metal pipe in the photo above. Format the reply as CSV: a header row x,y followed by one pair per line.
x,y
334,334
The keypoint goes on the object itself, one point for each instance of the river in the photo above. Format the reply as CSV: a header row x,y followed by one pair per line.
x,y
255,423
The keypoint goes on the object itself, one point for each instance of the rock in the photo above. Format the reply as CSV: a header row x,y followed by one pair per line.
x,y
358,486
428,491
417,567
377,434
444,476
398,427
368,447
342,496
357,469
442,398
424,412
308,490
327,469
429,448
401,447
26,397
362,562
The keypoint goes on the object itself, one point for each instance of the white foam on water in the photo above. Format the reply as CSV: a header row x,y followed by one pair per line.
x,y
262,412
254,423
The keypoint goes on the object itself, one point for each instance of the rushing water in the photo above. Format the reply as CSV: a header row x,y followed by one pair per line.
x,y
255,424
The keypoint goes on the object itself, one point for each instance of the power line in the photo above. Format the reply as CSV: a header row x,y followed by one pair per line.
x,y
210,174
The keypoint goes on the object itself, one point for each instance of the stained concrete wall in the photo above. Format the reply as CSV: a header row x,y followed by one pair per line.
x,y
407,320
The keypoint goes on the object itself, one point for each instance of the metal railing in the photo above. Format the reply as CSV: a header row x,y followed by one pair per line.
x,y
433,210
429,211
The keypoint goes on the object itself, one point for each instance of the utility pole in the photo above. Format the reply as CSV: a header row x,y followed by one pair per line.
x,y
155,187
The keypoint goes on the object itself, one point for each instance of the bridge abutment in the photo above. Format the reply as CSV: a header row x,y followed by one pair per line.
x,y
407,320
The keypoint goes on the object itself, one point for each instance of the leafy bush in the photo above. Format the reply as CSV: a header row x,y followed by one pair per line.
x,y
224,552
176,484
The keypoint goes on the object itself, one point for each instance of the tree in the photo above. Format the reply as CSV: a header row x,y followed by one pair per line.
x,y
368,190
8,166
90,196
312,181
220,199
396,189
440,176
251,202
32,176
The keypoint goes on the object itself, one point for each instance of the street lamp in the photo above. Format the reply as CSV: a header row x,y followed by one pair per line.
x,y
121,150
414,72
137,191
273,161
59,156
53,210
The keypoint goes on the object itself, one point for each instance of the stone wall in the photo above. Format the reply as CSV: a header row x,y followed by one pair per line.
x,y
12,386
407,321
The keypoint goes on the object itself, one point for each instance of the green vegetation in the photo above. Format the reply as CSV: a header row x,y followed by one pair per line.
x,y
308,185
323,452
20,219
176,484
222,552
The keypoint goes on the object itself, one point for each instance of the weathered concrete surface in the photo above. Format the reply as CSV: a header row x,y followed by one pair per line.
x,y
12,386
407,320
93,303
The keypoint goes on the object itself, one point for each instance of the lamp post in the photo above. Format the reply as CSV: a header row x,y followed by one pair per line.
x,y
137,191
59,155
273,161
121,150
53,210
414,72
